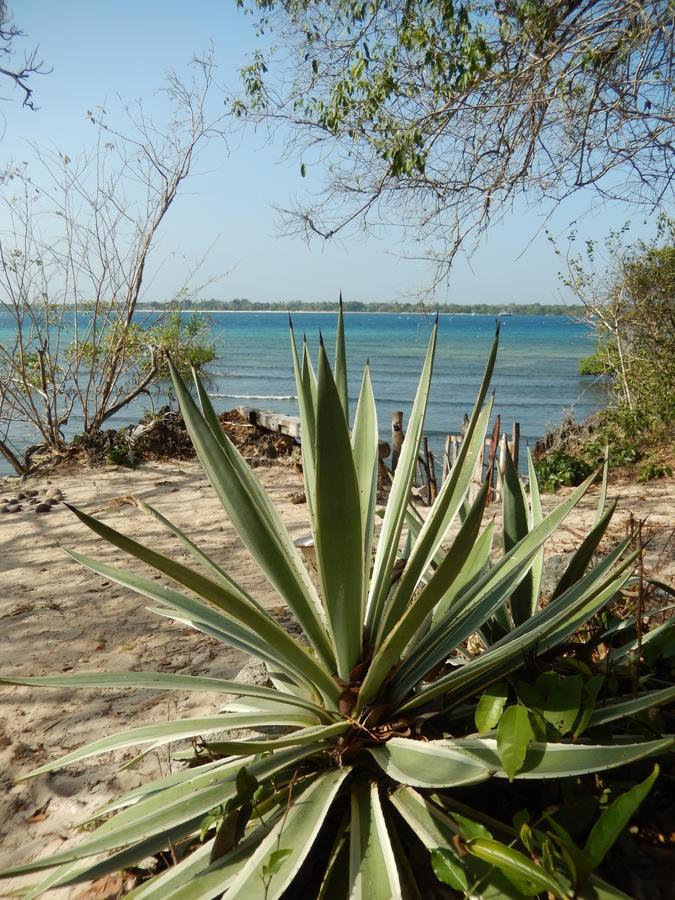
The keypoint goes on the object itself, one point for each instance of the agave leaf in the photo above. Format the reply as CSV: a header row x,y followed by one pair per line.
x,y
429,764
254,516
268,630
196,553
365,447
372,863
623,709
236,635
475,566
165,732
160,812
339,541
314,735
268,870
435,830
515,529
307,406
581,559
164,681
449,501
551,760
621,654
499,659
162,886
444,510
398,497
75,872
391,650
582,615
535,517
341,363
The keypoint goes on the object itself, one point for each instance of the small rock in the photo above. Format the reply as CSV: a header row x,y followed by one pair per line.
x,y
12,508
43,507
21,496
55,493
32,493
298,497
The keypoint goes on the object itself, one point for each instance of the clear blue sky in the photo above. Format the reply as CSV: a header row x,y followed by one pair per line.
x,y
99,49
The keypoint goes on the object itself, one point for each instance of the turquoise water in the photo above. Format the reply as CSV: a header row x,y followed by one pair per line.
x,y
536,380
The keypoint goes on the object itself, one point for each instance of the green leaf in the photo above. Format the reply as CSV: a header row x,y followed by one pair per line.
x,y
245,876
535,517
165,732
448,870
514,733
623,709
490,706
428,764
583,556
588,698
372,863
421,606
515,864
365,445
279,642
339,539
549,760
307,405
161,811
515,528
562,699
164,681
613,821
439,519
398,497
254,516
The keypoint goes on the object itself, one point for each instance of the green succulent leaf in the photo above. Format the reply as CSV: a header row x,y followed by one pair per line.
x,y
339,541
515,527
372,863
253,515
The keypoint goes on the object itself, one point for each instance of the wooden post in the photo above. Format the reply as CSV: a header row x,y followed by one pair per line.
x,y
490,476
515,444
430,474
396,437
433,486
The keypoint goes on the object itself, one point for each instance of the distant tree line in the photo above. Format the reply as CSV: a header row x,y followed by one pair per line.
x,y
244,305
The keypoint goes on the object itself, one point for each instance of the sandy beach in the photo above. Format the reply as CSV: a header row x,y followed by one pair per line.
x,y
58,617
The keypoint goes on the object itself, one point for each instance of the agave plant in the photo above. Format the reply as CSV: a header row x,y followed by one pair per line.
x,y
404,642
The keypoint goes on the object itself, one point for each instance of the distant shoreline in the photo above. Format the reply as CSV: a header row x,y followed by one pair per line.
x,y
401,311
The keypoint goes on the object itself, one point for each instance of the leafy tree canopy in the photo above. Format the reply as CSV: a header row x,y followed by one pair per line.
x,y
440,114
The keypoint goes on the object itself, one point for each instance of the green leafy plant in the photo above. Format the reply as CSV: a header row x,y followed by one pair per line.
x,y
561,469
401,640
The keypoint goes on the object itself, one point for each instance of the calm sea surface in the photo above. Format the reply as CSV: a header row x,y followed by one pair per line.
x,y
536,380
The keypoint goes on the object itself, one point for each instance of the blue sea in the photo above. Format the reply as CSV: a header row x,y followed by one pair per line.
x,y
536,379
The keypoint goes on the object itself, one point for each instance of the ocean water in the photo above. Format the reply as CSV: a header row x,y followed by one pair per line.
x,y
536,380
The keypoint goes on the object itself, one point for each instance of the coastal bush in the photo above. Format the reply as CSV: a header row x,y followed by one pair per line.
x,y
431,716
561,469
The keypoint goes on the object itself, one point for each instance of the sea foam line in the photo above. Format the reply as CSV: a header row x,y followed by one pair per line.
x,y
256,396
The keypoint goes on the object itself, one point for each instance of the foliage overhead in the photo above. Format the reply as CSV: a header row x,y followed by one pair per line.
x,y
441,114
412,690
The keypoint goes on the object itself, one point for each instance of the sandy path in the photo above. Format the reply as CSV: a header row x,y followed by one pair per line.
x,y
56,616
